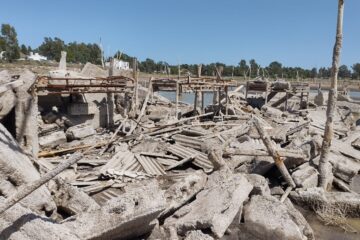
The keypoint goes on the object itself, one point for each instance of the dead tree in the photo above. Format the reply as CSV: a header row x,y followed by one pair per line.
x,y
325,174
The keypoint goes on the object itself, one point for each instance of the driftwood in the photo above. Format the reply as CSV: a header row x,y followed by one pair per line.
x,y
325,174
113,136
274,153
142,111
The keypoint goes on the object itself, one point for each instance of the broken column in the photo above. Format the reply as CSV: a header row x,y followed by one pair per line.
x,y
26,111
62,63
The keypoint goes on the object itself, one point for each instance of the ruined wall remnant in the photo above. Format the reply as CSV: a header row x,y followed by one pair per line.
x,y
16,169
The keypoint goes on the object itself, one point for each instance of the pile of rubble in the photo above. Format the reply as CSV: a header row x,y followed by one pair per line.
x,y
230,172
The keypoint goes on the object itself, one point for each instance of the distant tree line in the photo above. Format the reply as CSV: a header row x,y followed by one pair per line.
x,y
50,48
250,69
91,52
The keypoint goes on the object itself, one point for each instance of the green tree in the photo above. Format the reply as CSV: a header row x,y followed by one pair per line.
x,y
9,42
24,49
243,67
52,48
253,67
356,71
313,73
275,69
344,72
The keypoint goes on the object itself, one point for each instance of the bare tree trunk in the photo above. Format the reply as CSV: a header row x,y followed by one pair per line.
x,y
325,174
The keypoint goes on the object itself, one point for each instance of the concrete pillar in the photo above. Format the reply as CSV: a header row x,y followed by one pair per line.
x,y
215,96
199,67
26,111
197,100
62,63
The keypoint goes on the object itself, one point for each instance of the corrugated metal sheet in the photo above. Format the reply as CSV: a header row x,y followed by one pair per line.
x,y
150,165
123,161
201,160
186,141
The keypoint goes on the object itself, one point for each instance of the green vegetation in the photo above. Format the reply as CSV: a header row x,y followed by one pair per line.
x,y
9,42
91,52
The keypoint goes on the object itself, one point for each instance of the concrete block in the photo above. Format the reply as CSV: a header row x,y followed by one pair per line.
x,y
215,207
80,131
305,176
82,109
129,216
52,140
267,218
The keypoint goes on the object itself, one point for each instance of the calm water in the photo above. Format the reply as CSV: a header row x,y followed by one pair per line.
x,y
208,96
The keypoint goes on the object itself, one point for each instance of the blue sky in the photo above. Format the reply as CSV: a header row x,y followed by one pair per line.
x,y
294,32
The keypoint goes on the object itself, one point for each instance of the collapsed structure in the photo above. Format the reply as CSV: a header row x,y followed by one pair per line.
x,y
95,155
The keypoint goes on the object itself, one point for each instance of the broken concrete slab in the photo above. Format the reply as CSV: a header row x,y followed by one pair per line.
x,y
215,207
182,191
260,184
305,176
129,216
92,70
356,143
16,169
265,217
80,131
198,235
7,98
70,199
20,223
52,140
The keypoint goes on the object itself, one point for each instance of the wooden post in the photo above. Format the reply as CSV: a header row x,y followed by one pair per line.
x,y
266,93
274,153
110,102
325,174
195,101
214,95
177,100
226,96
135,76
247,90
202,102
218,98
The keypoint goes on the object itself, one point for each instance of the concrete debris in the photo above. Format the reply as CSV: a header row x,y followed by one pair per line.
x,y
52,140
118,161
16,169
305,176
128,216
215,207
265,217
197,235
20,223
79,131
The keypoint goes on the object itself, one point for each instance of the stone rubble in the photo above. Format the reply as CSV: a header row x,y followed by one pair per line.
x,y
162,174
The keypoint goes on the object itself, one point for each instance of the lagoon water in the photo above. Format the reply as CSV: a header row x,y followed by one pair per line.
x,y
208,96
